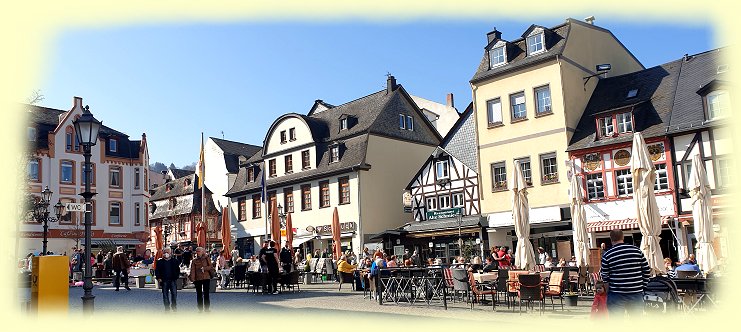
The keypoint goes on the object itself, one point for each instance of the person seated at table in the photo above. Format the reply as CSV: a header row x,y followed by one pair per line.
x,y
475,265
688,265
490,265
254,265
548,262
344,266
572,262
561,263
690,259
391,262
430,262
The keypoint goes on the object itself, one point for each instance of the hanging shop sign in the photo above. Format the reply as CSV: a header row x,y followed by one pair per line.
x,y
442,214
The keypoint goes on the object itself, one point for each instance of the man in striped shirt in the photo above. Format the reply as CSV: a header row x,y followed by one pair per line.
x,y
625,272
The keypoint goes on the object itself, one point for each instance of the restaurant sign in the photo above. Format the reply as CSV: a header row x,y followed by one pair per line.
x,y
442,214
344,227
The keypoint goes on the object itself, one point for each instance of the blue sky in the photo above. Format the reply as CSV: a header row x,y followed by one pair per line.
x,y
174,81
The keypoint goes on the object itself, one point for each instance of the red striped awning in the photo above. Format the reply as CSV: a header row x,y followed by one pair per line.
x,y
608,225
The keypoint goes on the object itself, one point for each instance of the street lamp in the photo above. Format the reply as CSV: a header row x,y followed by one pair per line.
x,y
166,230
41,214
460,239
86,129
282,217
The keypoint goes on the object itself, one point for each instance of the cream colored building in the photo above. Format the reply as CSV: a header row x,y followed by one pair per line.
x,y
356,157
442,116
529,94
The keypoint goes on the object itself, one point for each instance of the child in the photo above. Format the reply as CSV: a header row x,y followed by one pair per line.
x,y
599,306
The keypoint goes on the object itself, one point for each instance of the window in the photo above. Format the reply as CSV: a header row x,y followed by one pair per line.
x,y
305,161
172,203
67,218
272,201
112,145
624,182
114,213
662,179
77,143
256,205
334,153
494,111
410,122
605,126
458,200
632,93
431,203
92,174
443,201
114,174
292,134
441,168
624,122
344,187
271,166
289,164
250,174
306,197
283,137
242,208
496,56
517,101
137,214
343,124
323,194
534,44
718,105
526,171
595,186
67,173
68,140
31,134
725,173
136,178
499,176
543,100
288,199
402,121
549,168
33,170
441,251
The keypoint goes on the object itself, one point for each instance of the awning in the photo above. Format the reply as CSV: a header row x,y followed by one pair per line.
x,y
608,225
300,241
388,232
117,242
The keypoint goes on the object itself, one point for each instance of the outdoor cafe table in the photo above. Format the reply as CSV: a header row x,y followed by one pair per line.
x,y
485,277
694,286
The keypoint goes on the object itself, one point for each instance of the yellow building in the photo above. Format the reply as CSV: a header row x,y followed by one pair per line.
x,y
528,95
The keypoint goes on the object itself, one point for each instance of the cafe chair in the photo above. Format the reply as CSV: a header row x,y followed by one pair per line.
x,y
460,283
346,278
290,281
687,274
555,288
240,275
480,291
530,290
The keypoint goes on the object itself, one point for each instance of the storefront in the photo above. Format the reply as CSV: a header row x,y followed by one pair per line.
x,y
550,228
61,241
322,240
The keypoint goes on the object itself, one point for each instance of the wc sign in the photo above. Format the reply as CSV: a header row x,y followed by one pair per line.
x,y
74,207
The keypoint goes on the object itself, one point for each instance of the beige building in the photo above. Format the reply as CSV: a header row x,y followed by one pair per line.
x,y
442,116
356,157
529,94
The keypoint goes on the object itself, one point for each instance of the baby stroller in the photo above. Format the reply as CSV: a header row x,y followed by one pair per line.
x,y
661,296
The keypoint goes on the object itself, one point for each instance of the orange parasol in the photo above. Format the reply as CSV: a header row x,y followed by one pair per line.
x,y
201,235
275,225
226,234
336,234
289,231
157,244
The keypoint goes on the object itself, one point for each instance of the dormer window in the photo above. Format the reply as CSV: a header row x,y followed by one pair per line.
x,y
615,124
497,56
172,203
535,44
112,145
606,129
722,69
292,134
718,105
283,137
31,134
632,93
250,174
334,153
343,124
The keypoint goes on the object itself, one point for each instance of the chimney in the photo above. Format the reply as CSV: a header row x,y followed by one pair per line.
x,y
494,34
450,100
77,102
390,84
589,20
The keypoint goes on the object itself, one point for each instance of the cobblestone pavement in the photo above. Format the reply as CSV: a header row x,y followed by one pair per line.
x,y
314,298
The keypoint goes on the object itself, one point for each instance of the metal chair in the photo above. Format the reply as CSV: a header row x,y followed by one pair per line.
x,y
530,290
240,275
346,278
555,288
481,290
460,283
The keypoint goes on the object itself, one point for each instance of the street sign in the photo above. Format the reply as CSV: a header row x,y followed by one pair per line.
x,y
75,207
441,214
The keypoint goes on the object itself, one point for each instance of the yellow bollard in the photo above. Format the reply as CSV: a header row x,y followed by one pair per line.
x,y
50,284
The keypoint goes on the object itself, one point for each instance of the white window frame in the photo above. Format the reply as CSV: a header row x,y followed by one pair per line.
x,y
499,54
624,182
550,169
527,172
445,169
624,122
137,214
458,199
595,186
606,126
514,106
535,44
114,206
334,154
718,104
343,124
543,103
117,171
431,203
283,137
724,169
402,121
410,123
499,178
443,202
30,167
112,145
494,111
662,178
291,134
137,178
68,165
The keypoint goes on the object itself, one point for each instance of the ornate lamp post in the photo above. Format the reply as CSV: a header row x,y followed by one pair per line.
x,y
87,128
41,214
282,217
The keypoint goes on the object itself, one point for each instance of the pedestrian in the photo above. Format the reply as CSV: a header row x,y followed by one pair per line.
x,y
222,269
201,272
167,273
121,265
108,265
178,254
625,272
542,256
599,305
269,256
187,255
286,260
235,256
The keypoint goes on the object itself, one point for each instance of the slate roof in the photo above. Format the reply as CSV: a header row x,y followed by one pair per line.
x,y
652,105
232,150
178,173
461,140
697,72
442,224
517,53
46,119
188,201
376,113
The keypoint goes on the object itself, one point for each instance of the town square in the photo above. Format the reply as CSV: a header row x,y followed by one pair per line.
x,y
548,168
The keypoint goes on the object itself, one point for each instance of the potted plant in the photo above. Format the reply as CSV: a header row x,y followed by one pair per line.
x,y
571,298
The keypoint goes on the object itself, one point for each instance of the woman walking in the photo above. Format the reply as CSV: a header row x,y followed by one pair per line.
x,y
200,275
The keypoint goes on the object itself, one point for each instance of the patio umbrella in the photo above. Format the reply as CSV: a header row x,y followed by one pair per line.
x,y
702,214
579,221
647,211
157,244
275,225
524,255
336,234
226,234
201,235
289,231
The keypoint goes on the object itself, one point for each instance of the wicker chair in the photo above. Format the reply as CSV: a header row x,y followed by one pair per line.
x,y
460,283
530,290
346,278
555,287
240,275
481,290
